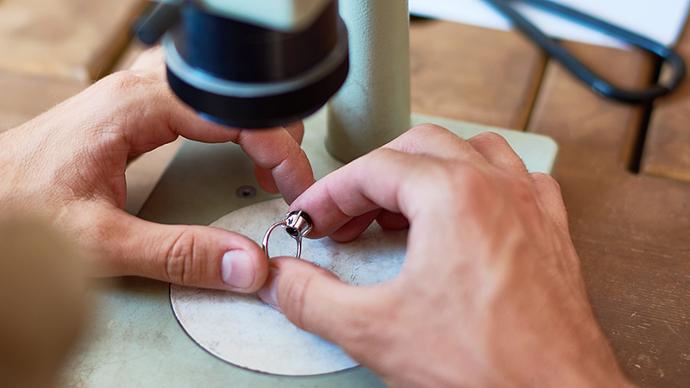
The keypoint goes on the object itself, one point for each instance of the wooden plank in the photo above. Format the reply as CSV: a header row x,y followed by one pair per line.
x,y
630,231
667,148
75,39
572,114
473,74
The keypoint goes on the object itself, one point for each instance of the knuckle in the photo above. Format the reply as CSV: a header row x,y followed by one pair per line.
x,y
547,180
433,134
523,191
435,173
490,138
382,153
125,81
471,188
179,259
466,176
496,145
449,175
450,180
297,127
428,129
519,191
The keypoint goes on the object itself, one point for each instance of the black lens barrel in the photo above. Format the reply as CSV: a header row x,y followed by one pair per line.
x,y
296,69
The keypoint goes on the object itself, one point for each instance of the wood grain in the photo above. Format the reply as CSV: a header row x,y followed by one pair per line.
x,y
573,114
631,234
667,147
75,39
631,231
473,74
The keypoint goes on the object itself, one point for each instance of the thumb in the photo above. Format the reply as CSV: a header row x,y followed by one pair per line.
x,y
198,256
317,301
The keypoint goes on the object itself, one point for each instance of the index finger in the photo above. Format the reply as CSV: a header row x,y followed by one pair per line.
x,y
151,116
384,179
277,151
377,180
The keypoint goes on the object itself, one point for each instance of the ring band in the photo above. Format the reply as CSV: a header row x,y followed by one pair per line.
x,y
297,224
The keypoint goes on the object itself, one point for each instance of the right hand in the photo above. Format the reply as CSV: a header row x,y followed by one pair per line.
x,y
491,292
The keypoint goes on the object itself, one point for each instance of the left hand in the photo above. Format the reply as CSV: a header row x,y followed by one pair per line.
x,y
69,164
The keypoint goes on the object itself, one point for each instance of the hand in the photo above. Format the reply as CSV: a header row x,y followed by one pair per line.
x,y
491,292
69,164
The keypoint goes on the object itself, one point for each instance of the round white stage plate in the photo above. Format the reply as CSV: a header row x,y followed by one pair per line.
x,y
244,331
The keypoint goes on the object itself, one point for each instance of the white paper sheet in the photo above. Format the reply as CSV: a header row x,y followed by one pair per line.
x,y
661,20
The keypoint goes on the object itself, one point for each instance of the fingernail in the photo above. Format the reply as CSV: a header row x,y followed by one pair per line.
x,y
269,292
237,269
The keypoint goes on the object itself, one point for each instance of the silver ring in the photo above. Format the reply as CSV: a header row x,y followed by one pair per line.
x,y
297,224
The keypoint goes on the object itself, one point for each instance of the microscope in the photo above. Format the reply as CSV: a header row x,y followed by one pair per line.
x,y
266,63
343,67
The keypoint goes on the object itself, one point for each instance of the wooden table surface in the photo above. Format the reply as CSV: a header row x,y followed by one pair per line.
x,y
624,170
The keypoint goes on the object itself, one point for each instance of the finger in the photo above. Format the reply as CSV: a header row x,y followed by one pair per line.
x,y
296,130
152,114
196,256
355,227
315,300
265,176
148,115
550,199
432,140
153,117
277,151
265,179
496,150
384,179
373,181
392,221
